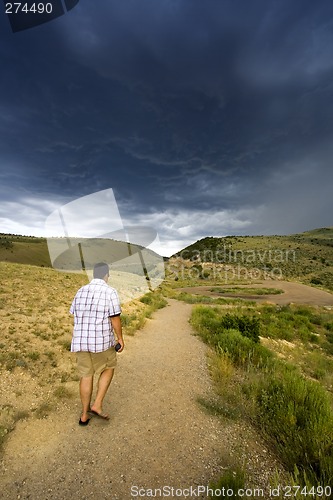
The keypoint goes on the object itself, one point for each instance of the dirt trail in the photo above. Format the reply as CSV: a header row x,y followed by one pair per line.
x,y
158,434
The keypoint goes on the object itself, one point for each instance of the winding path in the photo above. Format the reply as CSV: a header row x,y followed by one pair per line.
x,y
296,293
157,436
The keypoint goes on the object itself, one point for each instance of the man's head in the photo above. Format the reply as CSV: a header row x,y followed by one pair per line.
x,y
101,270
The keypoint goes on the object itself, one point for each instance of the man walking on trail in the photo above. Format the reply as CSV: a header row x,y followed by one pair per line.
x,y
97,325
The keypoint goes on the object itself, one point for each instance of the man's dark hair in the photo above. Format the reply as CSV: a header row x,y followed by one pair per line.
x,y
101,269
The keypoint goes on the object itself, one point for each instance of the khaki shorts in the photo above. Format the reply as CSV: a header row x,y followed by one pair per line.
x,y
89,363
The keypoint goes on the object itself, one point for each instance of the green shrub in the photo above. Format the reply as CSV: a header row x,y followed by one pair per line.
x,y
304,311
6,243
291,322
329,326
248,326
147,299
211,319
229,484
329,337
204,320
296,414
239,346
243,351
34,356
204,299
10,360
66,344
194,299
62,392
127,319
156,300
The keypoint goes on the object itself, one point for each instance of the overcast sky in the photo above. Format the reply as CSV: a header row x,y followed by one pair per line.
x,y
205,117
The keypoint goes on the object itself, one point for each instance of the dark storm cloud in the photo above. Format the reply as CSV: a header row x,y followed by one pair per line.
x,y
215,110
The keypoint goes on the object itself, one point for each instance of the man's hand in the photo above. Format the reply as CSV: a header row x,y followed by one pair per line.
x,y
116,325
121,342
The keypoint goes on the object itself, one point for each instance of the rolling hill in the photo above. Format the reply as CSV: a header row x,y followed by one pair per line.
x,y
80,254
24,250
307,256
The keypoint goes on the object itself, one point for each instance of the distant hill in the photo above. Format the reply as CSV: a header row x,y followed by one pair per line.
x,y
307,256
24,250
34,251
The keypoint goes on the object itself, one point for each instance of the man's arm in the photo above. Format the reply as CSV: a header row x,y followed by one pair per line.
x,y
116,325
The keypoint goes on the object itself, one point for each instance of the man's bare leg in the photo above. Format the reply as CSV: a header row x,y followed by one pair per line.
x,y
86,388
103,385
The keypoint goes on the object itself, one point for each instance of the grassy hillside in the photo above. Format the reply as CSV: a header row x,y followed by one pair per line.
x,y
37,372
307,257
34,251
24,250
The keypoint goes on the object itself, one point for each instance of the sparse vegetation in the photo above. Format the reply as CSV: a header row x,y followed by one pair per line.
x,y
62,392
155,300
6,243
291,410
306,256
201,299
231,482
296,415
271,365
246,291
36,331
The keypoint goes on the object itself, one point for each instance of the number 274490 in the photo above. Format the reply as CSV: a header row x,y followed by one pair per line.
x,y
34,8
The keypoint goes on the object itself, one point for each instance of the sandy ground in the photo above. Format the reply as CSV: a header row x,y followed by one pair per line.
x,y
296,293
158,435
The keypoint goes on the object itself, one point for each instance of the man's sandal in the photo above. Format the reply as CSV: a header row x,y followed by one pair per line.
x,y
100,415
84,423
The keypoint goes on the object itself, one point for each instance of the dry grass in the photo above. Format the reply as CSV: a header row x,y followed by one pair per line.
x,y
37,370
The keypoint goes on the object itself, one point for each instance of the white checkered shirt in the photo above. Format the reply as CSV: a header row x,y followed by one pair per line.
x,y
92,307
